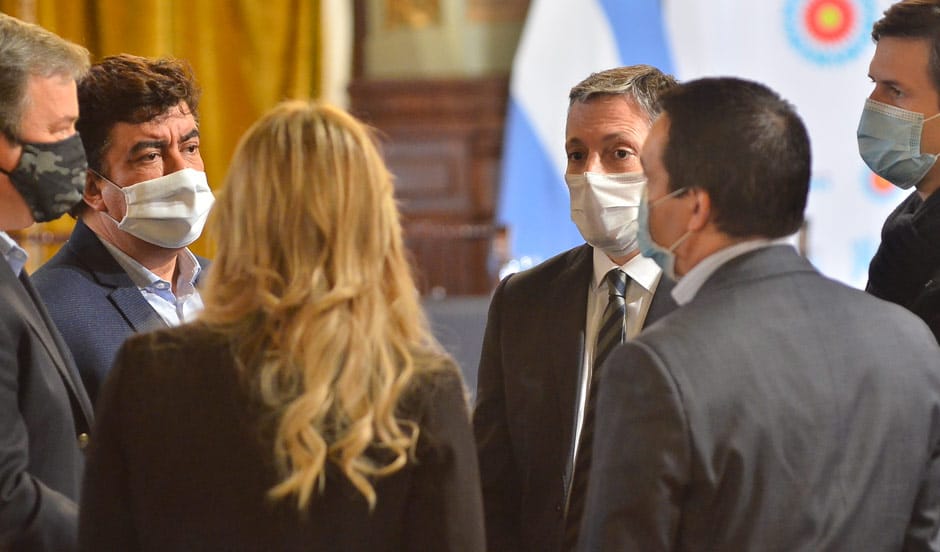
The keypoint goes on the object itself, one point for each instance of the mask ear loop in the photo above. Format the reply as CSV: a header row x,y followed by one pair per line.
x,y
111,182
103,177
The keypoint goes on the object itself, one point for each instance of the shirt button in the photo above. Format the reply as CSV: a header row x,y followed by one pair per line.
x,y
83,440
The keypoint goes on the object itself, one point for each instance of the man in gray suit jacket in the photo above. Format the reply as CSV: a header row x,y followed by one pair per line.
x,y
775,409
541,333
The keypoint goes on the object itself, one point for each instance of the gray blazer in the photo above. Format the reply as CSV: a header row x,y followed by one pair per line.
x,y
779,410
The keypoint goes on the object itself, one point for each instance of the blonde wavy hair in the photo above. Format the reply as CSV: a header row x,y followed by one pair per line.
x,y
312,286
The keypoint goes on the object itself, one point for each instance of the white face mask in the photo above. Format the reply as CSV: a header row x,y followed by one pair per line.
x,y
169,211
605,208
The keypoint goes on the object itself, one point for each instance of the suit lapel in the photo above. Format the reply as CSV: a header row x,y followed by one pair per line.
x,y
124,294
19,295
662,303
565,351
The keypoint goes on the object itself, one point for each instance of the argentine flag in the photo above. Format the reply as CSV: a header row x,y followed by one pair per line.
x,y
815,53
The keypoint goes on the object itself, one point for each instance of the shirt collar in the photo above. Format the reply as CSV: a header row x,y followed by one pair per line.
x,y
641,270
688,286
14,254
187,267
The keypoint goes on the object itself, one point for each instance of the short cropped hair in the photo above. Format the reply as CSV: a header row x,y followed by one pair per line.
x,y
28,50
641,83
746,147
914,19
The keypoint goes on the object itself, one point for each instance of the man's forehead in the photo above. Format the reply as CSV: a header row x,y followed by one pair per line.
x,y
614,116
659,134
174,123
896,57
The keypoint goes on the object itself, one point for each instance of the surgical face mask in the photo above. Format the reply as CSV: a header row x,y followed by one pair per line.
x,y
50,177
604,208
889,143
169,211
662,256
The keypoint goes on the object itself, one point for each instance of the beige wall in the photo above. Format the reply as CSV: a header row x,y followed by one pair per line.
x,y
442,39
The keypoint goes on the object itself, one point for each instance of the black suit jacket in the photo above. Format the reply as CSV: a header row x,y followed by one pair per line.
x,y
906,268
527,388
180,462
43,411
94,303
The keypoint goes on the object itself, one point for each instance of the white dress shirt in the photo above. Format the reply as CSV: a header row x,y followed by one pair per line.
x,y
644,276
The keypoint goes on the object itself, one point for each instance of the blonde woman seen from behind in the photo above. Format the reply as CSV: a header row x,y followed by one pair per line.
x,y
308,408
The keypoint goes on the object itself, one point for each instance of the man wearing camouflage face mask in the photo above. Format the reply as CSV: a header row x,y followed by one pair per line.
x,y
45,414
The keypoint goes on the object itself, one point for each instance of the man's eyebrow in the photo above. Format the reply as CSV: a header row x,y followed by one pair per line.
x,y
162,144
886,82
573,142
149,144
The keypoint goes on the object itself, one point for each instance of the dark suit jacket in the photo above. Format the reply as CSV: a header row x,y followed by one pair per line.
x,y
526,393
777,411
94,303
43,410
179,462
906,268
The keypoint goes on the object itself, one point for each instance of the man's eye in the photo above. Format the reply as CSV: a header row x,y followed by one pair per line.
x,y
152,156
623,154
191,148
575,156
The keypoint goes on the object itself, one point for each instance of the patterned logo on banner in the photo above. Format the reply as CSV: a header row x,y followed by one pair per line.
x,y
829,32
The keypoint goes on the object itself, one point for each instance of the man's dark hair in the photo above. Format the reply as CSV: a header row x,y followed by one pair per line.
x,y
914,19
129,89
746,147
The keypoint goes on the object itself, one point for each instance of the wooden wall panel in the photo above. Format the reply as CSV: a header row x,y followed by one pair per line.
x,y
442,140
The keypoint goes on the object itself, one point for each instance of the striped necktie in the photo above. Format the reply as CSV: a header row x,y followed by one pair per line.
x,y
610,334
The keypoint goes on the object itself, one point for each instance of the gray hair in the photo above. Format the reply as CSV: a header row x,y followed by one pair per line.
x,y
642,83
28,50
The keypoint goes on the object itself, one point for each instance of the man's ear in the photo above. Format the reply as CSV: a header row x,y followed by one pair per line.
x,y
701,210
92,194
10,153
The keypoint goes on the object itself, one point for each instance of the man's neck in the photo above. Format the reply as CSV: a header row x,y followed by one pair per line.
x,y
702,245
930,183
620,261
159,260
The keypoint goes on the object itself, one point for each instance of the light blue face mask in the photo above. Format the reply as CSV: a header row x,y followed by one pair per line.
x,y
889,143
662,256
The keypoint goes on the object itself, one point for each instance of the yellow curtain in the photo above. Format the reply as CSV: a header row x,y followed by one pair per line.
x,y
247,56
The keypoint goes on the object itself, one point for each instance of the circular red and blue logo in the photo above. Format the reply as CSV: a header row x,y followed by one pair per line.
x,y
829,31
